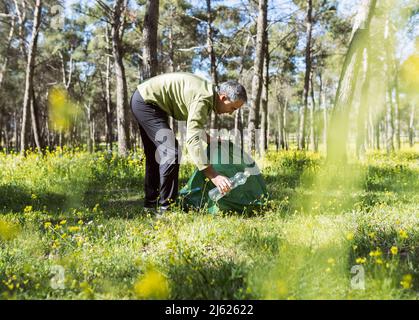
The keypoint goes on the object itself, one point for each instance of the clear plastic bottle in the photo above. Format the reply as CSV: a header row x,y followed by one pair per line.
x,y
238,179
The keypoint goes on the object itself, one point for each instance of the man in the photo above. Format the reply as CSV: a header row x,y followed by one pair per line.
x,y
186,97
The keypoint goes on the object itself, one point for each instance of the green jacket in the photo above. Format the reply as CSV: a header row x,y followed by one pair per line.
x,y
186,97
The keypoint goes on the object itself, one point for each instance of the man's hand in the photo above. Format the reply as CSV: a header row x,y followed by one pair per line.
x,y
221,182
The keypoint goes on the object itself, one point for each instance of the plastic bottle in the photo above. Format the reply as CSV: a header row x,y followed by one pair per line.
x,y
238,179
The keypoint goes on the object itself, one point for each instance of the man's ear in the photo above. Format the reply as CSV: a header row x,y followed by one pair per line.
x,y
223,97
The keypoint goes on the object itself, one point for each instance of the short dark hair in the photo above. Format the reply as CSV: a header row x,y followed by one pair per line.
x,y
233,90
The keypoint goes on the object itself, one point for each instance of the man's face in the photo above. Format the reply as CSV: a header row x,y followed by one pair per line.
x,y
227,106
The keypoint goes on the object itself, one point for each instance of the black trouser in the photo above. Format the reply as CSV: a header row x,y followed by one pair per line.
x,y
161,151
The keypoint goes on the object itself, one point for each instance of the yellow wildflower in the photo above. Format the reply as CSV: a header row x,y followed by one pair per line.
x,y
375,253
394,250
407,281
63,222
361,260
152,285
27,209
403,234
74,229
350,236
47,225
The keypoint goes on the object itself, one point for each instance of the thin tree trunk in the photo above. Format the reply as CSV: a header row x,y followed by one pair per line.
x,y
30,66
377,135
285,134
265,96
35,122
322,97
121,86
364,103
303,108
389,125
214,121
3,67
151,21
258,74
21,14
173,122
397,113
313,133
89,127
15,131
412,126
281,138
108,97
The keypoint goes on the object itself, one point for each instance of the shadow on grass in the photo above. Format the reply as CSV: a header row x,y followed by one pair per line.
x,y
16,199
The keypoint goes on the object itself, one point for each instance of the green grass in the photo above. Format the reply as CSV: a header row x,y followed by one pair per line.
x,y
76,219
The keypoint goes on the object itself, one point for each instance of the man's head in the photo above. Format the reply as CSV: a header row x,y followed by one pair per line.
x,y
231,96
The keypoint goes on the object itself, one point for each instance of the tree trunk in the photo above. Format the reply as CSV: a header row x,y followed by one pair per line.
x,y
377,135
121,85
322,103
15,131
3,67
397,113
339,124
89,127
303,108
412,126
108,97
313,131
389,125
285,134
171,67
265,97
30,66
214,121
281,138
258,74
151,21
35,122
364,103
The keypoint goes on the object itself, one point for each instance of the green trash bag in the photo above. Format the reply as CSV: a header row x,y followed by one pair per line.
x,y
227,159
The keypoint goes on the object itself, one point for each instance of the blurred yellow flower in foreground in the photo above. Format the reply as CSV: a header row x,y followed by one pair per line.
x,y
409,74
62,111
407,281
152,285
8,230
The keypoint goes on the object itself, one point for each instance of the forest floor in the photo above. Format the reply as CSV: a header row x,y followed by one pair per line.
x,y
72,227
